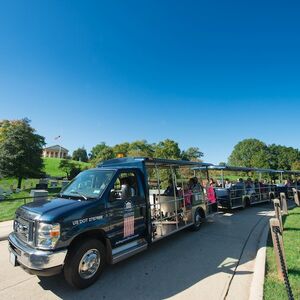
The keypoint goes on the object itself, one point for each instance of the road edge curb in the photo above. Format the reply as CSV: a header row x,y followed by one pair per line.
x,y
257,284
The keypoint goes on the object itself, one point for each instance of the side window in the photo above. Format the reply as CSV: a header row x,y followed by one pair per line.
x,y
125,187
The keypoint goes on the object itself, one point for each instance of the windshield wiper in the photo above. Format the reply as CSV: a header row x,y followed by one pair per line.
x,y
77,193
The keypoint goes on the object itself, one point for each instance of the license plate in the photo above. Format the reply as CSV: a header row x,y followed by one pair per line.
x,y
12,259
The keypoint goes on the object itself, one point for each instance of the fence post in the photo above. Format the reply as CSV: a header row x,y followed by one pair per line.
x,y
277,237
296,196
283,204
277,209
280,255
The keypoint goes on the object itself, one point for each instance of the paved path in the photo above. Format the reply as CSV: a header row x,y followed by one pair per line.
x,y
6,228
214,263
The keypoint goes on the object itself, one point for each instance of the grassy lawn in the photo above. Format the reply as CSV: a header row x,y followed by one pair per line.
x,y
273,288
51,166
8,208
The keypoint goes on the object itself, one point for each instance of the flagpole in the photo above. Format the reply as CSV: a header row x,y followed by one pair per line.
x,y
59,152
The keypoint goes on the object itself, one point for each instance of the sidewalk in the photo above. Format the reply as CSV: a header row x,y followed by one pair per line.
x,y
6,228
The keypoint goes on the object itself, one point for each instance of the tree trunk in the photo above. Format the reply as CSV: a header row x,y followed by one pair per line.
x,y
19,182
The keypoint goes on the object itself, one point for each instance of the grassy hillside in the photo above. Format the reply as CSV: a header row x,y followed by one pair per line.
x,y
51,166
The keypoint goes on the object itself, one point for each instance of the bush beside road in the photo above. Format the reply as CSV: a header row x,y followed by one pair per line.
x,y
274,288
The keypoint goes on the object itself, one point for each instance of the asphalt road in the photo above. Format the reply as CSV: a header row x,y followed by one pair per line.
x,y
214,263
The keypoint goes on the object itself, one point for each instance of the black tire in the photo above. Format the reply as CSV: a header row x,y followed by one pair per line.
x,y
74,258
198,220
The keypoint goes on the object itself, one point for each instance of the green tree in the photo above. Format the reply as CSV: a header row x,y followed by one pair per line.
x,y
167,149
98,149
140,148
192,154
121,149
80,154
20,150
66,166
250,153
296,165
282,157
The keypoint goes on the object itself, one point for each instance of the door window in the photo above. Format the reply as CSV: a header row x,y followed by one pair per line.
x,y
125,187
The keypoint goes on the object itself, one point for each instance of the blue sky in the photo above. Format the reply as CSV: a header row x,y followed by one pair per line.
x,y
204,73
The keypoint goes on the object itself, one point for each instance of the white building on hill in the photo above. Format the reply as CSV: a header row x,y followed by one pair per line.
x,y
55,151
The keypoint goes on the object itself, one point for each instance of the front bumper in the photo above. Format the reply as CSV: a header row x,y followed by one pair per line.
x,y
36,261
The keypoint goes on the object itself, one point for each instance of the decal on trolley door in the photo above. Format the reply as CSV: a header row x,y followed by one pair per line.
x,y
128,219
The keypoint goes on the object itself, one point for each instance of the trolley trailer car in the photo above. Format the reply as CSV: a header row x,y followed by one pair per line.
x,y
241,193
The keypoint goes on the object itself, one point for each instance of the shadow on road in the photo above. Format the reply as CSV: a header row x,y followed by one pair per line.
x,y
173,265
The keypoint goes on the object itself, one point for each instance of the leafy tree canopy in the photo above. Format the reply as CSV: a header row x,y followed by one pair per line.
x,y
20,150
282,157
80,154
255,153
250,153
167,149
192,154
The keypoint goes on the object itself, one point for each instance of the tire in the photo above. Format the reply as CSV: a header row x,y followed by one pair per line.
x,y
198,218
77,271
244,203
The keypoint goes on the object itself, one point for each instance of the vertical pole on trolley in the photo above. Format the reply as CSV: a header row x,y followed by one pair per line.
x,y
158,183
207,174
175,191
183,199
259,190
222,178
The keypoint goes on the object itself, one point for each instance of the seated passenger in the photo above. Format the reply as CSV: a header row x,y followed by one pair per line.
x,y
250,188
228,184
170,189
126,190
194,185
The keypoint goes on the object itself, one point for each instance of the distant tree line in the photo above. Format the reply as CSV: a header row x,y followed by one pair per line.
x,y
21,152
254,153
168,149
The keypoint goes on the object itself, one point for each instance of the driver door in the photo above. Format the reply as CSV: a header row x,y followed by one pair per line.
x,y
127,209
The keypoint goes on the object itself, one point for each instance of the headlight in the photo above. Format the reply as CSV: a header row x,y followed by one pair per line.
x,y
47,235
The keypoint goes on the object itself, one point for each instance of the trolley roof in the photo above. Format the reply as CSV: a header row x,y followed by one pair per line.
x,y
151,162
244,169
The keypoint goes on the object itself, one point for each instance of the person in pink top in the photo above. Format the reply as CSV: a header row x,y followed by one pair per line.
x,y
211,195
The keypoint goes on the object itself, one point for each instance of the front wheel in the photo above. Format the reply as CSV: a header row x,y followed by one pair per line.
x,y
198,219
84,263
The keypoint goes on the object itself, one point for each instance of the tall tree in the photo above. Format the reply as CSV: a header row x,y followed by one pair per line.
x,y
250,153
167,149
96,150
296,165
101,152
121,149
66,166
141,148
80,154
20,150
192,154
282,157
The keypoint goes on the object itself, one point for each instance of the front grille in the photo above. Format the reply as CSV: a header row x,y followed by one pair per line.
x,y
24,229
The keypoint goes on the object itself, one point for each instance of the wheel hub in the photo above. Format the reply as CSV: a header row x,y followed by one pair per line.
x,y
89,264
